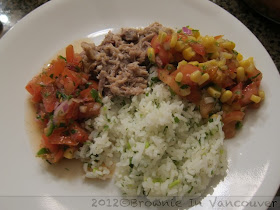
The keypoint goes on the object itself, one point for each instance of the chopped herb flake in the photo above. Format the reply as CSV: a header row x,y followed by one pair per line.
x,y
190,190
155,79
179,31
254,77
43,151
184,86
147,144
106,127
235,52
173,184
61,57
95,95
50,128
176,120
238,125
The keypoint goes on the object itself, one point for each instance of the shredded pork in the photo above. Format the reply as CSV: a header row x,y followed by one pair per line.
x,y
119,62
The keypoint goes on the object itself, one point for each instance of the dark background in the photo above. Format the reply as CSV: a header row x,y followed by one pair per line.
x,y
265,30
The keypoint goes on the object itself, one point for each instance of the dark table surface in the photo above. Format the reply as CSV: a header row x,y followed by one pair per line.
x,y
265,30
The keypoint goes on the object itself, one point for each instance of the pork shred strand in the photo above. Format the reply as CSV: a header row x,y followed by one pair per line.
x,y
119,62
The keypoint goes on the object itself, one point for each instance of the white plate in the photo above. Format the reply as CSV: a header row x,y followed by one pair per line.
x,y
253,154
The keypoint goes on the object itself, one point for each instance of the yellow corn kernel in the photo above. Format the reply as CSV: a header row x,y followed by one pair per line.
x,y
185,92
183,62
161,36
173,40
194,63
208,41
215,55
255,99
226,55
151,54
214,116
262,94
180,46
179,77
226,96
191,38
188,53
203,78
196,33
248,65
222,62
250,69
213,92
195,76
224,67
239,57
240,74
228,45
69,153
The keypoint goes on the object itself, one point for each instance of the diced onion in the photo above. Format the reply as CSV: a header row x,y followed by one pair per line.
x,y
187,31
209,100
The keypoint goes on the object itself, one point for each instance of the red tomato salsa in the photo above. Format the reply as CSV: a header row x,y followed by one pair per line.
x,y
64,97
207,71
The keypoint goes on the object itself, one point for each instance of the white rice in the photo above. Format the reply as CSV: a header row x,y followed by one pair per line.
x,y
155,144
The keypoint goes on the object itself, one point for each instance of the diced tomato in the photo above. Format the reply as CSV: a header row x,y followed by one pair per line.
x,y
84,76
46,143
236,92
177,56
229,130
56,68
197,58
186,70
59,137
77,133
233,116
89,110
56,153
163,75
49,97
71,80
34,89
155,44
70,53
198,48
72,112
205,109
227,82
254,105
230,119
86,93
232,66
164,55
183,37
255,75
248,91
195,95
218,37
58,156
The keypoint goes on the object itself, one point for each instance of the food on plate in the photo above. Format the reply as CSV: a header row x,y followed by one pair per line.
x,y
64,97
150,106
